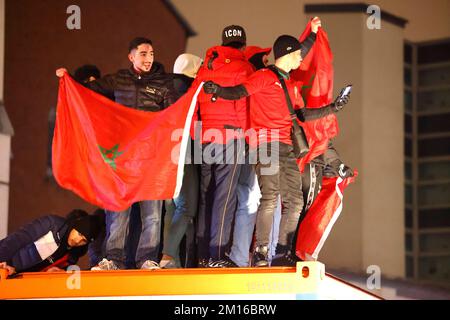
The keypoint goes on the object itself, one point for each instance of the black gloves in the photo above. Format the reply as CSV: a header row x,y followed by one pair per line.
x,y
340,102
337,168
211,87
345,171
227,93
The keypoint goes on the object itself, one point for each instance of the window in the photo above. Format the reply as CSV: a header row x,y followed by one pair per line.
x,y
427,194
408,218
407,76
407,53
433,77
409,267
433,53
408,147
408,100
434,147
408,170
434,268
408,195
436,170
437,194
434,218
408,242
433,100
433,123
439,242
408,123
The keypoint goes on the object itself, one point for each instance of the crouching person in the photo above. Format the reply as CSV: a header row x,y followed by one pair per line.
x,y
50,243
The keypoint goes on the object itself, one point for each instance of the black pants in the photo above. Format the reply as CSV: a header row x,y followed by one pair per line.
x,y
217,203
311,184
278,175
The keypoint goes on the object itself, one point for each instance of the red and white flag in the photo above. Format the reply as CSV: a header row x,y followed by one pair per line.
x,y
316,75
111,155
321,216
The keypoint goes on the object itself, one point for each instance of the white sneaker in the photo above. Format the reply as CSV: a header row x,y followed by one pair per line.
x,y
150,265
105,264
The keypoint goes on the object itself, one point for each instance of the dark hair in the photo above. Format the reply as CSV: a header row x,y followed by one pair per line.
x,y
76,214
257,60
100,215
136,42
83,73
235,44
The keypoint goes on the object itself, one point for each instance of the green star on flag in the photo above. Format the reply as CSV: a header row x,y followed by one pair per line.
x,y
309,86
110,155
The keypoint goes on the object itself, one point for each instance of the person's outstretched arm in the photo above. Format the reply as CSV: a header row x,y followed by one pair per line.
x,y
308,114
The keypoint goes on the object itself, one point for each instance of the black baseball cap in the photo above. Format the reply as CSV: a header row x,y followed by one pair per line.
x,y
233,33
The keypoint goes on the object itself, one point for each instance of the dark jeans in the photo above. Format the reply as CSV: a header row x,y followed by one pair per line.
x,y
280,176
218,181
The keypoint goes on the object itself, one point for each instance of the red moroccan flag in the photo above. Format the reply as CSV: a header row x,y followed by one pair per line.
x,y
316,76
113,156
320,218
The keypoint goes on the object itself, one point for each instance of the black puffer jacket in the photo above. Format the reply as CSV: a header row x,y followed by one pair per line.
x,y
152,91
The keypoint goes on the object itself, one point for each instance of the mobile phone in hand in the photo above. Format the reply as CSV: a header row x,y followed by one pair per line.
x,y
346,91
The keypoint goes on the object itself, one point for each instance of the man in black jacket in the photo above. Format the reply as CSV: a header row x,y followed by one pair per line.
x,y
144,86
50,243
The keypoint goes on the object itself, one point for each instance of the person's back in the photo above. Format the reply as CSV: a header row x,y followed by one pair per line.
x,y
223,144
228,67
185,70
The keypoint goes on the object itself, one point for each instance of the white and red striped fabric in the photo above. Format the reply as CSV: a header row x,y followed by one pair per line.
x,y
320,218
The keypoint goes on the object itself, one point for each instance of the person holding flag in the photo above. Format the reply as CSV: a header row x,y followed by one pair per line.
x,y
144,86
272,122
327,165
322,164
247,189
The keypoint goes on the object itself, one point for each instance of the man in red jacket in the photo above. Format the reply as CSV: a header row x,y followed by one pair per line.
x,y
223,145
276,167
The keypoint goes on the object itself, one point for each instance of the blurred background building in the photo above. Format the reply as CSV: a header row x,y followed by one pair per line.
x,y
395,131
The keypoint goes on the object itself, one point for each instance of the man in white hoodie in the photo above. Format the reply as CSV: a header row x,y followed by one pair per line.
x,y
181,212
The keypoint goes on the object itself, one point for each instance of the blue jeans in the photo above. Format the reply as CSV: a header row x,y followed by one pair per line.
x,y
180,215
149,239
248,195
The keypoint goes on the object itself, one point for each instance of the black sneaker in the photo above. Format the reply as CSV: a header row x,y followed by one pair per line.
x,y
203,263
260,257
287,259
222,263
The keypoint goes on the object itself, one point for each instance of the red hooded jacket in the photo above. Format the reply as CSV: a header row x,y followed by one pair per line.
x,y
227,67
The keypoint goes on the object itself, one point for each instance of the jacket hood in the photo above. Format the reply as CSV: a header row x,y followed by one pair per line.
x,y
219,56
187,64
250,51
